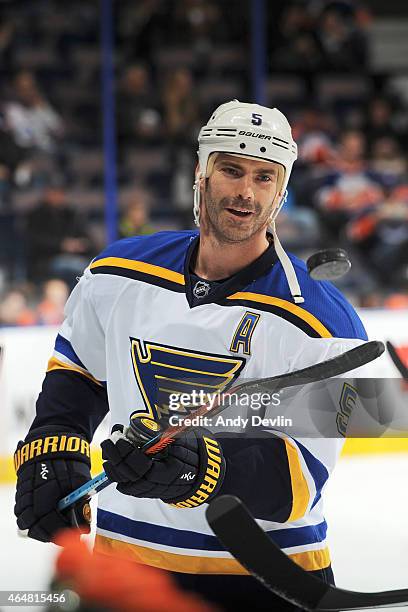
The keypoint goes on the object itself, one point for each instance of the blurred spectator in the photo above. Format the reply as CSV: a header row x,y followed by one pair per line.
x,y
303,54
371,300
296,19
314,131
50,310
335,39
181,114
14,168
11,154
397,301
180,106
352,187
14,309
31,119
196,21
299,49
135,218
379,120
138,118
141,27
313,134
56,238
342,41
7,40
298,226
381,235
387,160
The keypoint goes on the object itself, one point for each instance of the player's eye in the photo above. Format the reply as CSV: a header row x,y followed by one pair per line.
x,y
230,171
265,178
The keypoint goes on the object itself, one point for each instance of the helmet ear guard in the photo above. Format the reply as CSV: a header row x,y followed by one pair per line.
x,y
196,200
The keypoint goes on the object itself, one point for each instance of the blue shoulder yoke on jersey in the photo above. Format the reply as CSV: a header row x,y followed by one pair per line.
x,y
163,259
165,250
324,303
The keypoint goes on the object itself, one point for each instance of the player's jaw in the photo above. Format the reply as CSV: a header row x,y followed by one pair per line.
x,y
235,219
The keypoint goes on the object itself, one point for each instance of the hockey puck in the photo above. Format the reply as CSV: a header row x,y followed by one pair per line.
x,y
329,264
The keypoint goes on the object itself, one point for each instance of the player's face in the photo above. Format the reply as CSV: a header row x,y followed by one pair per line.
x,y
239,197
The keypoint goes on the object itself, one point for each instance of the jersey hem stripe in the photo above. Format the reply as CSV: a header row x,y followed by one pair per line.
x,y
189,564
174,538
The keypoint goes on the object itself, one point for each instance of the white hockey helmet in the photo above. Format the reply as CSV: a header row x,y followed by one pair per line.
x,y
249,130
254,131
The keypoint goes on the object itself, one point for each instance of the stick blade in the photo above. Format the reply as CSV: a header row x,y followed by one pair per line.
x,y
235,527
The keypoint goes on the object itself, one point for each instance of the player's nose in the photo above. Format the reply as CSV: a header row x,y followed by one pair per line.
x,y
246,188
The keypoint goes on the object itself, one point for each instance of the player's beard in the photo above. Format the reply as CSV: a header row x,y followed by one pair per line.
x,y
227,229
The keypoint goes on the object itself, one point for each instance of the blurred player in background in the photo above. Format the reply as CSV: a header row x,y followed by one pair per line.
x,y
150,314
114,583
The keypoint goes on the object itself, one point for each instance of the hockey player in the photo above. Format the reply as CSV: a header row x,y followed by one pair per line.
x,y
152,312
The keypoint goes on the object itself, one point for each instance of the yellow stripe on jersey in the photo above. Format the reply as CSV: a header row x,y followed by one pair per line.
x,y
300,490
310,560
285,305
139,266
56,364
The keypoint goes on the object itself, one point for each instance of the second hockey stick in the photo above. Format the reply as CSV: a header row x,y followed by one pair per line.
x,y
336,366
241,535
401,367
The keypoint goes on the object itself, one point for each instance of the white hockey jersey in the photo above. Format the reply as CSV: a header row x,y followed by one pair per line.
x,y
135,325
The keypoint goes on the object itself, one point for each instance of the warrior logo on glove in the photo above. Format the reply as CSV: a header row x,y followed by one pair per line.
x,y
49,465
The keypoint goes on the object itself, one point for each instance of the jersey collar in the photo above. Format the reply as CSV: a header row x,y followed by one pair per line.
x,y
234,283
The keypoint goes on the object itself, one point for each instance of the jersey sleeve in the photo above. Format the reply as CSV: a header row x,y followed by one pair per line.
x,y
254,467
74,393
80,344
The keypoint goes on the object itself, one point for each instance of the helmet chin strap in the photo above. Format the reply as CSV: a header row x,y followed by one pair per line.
x,y
288,268
283,257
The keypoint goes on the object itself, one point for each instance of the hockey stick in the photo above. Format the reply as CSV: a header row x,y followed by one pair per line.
x,y
241,535
349,360
402,369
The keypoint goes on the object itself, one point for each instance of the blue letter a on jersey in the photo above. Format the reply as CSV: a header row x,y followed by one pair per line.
x,y
243,334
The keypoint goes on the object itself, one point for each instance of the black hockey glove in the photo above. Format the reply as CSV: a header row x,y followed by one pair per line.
x,y
48,467
186,474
